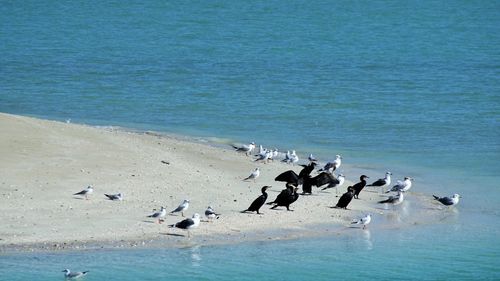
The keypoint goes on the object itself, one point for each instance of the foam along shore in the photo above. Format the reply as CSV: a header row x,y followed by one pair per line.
x,y
45,162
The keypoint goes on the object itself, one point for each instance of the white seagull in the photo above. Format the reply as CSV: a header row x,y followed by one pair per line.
x,y
245,148
86,192
339,183
264,156
447,200
188,223
254,175
211,214
363,220
312,158
159,215
113,197
73,275
291,157
182,207
403,186
332,166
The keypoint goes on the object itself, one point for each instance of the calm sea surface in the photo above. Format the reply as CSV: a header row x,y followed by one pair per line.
x,y
407,86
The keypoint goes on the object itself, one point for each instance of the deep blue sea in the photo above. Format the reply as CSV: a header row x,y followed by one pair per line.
x,y
407,86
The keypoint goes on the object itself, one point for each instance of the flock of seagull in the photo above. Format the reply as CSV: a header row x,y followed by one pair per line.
x,y
325,179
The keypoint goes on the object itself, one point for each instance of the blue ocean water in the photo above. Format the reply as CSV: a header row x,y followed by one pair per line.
x,y
407,86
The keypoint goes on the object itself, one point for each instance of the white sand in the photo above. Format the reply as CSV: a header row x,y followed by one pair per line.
x,y
45,162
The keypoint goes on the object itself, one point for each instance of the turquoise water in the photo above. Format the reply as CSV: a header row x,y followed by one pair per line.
x,y
407,86
360,255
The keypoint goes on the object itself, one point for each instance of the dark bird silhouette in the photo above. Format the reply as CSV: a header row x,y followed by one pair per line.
x,y
292,177
289,196
319,180
359,186
259,202
283,194
345,199
307,170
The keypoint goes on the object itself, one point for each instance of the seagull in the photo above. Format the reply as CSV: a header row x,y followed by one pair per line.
x,y
332,166
293,157
159,215
211,214
312,158
188,223
363,220
245,148
275,153
254,175
402,185
447,200
394,200
73,275
118,196
287,157
382,183
340,181
182,207
264,156
86,192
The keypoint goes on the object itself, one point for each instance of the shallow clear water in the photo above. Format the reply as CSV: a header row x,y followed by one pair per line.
x,y
356,255
410,87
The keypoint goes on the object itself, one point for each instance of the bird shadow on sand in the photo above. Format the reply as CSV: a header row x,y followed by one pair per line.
x,y
149,221
172,234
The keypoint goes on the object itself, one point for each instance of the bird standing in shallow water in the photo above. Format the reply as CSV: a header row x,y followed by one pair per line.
x,y
73,275
448,201
403,186
394,200
365,220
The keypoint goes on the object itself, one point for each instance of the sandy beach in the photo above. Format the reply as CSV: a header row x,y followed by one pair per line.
x,y
45,162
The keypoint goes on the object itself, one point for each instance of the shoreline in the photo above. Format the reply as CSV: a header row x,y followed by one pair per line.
x,y
47,161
